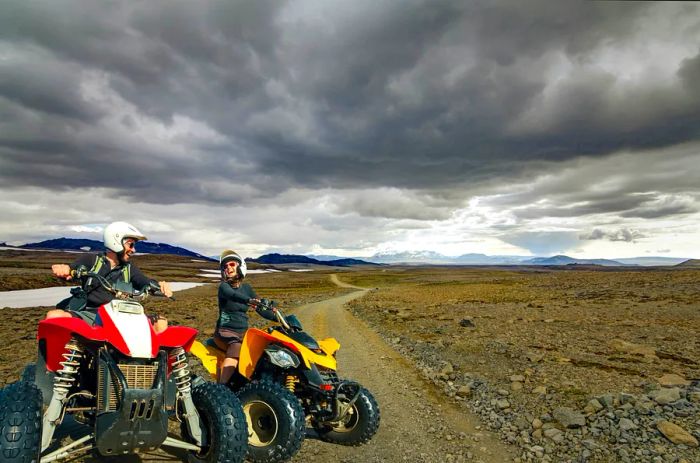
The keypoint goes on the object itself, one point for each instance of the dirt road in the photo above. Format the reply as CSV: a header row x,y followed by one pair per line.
x,y
417,423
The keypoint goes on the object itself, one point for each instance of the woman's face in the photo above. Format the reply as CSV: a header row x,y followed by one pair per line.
x,y
230,269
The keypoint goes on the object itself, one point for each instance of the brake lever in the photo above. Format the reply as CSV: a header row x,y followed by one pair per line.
x,y
154,289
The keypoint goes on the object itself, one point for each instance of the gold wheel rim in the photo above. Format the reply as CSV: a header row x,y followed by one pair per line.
x,y
262,423
349,422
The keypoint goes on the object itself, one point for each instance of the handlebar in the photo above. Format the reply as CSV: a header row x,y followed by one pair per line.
x,y
276,310
152,288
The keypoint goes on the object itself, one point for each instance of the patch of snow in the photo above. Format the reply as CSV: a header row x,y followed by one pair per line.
x,y
208,275
43,297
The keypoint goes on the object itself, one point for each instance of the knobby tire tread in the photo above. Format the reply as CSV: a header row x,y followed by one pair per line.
x,y
279,398
20,423
353,438
227,431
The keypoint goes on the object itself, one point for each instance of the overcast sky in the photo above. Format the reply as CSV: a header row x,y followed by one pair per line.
x,y
349,128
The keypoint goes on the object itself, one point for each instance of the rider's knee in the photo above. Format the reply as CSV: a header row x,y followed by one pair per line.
x,y
57,313
160,325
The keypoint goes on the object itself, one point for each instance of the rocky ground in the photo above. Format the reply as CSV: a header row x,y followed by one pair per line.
x,y
566,365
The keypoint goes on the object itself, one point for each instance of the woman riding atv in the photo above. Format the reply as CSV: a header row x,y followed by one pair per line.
x,y
235,299
283,377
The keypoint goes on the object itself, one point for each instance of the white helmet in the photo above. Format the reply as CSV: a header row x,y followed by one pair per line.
x,y
116,232
232,255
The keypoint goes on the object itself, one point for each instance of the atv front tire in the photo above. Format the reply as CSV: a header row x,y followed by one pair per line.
x,y
276,422
20,423
357,427
224,429
29,373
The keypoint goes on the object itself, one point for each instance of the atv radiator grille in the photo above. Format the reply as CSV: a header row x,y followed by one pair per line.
x,y
137,377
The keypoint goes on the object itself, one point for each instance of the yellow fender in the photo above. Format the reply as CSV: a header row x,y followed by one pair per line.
x,y
329,345
209,356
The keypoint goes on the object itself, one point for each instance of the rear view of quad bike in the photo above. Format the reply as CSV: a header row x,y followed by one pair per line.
x,y
285,378
124,382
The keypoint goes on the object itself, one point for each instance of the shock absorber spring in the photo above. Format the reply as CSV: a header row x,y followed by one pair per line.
x,y
181,375
65,377
290,383
180,370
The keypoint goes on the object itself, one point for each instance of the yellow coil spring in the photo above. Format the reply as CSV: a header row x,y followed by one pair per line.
x,y
289,383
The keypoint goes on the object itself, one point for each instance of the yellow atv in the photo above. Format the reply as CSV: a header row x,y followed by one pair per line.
x,y
285,378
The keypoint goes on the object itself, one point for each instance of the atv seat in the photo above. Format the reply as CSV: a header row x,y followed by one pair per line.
x,y
210,343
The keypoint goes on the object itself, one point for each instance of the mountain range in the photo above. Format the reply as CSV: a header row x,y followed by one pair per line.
x,y
405,258
430,257
146,247
298,259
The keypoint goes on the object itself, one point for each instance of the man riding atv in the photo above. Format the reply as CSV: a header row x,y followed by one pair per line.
x,y
114,265
115,374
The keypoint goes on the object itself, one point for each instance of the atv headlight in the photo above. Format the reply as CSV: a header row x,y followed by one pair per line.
x,y
282,358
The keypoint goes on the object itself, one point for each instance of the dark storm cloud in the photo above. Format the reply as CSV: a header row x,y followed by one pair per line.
x,y
623,234
663,207
416,95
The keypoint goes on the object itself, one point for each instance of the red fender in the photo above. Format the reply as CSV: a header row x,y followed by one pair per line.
x,y
177,336
58,331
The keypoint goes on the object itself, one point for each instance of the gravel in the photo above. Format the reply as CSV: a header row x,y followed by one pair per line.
x,y
611,427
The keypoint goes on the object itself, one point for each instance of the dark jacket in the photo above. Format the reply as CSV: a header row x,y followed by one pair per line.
x,y
233,307
96,294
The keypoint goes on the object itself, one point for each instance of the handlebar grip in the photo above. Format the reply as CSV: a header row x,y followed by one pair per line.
x,y
78,272
154,289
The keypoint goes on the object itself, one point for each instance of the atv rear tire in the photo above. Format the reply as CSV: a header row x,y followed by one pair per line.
x,y
358,426
20,423
276,422
224,430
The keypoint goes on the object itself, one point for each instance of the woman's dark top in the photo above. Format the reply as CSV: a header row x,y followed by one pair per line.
x,y
233,307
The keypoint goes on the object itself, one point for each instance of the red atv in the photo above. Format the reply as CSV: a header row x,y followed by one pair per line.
x,y
122,380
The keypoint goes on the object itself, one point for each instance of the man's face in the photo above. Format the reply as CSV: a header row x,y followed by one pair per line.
x,y
129,248
230,268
